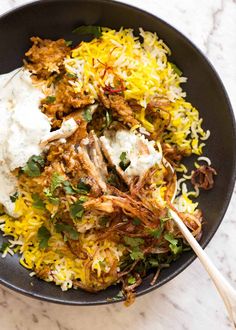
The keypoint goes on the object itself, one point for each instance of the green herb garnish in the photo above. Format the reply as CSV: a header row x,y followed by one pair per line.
x,y
136,221
34,166
69,189
77,210
68,43
108,118
103,221
153,262
4,246
50,197
71,75
173,243
176,69
38,202
14,197
124,161
156,233
131,280
83,188
118,297
43,236
94,30
87,115
50,99
56,182
134,243
136,254
68,229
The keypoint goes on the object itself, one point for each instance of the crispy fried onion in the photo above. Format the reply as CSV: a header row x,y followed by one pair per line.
x,y
202,177
129,289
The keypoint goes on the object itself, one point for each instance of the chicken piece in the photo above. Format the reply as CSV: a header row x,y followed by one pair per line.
x,y
99,204
91,160
118,104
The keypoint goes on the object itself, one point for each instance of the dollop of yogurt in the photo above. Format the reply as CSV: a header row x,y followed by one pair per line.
x,y
138,150
22,127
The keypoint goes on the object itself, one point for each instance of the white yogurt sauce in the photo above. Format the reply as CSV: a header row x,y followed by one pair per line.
x,y
139,151
22,127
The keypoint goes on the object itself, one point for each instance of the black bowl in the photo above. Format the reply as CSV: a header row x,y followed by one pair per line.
x,y
56,19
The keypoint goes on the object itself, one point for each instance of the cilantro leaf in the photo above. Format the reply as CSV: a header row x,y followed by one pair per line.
x,y
133,241
14,197
87,115
34,166
38,202
69,189
43,236
176,249
173,243
124,161
156,233
136,254
4,246
136,221
77,210
108,118
71,75
131,280
69,43
153,262
164,219
50,99
53,200
83,188
68,229
170,238
94,30
103,221
56,181
118,297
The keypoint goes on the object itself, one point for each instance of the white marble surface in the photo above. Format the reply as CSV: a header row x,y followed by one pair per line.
x,y
189,302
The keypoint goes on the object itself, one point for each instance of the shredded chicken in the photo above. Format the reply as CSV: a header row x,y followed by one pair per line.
x,y
90,157
100,204
121,173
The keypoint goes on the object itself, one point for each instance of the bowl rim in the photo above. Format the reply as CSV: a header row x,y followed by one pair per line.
x,y
230,187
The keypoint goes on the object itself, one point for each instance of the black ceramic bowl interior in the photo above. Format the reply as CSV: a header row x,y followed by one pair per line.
x,y
57,19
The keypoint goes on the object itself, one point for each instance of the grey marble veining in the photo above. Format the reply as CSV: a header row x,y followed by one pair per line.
x,y
189,302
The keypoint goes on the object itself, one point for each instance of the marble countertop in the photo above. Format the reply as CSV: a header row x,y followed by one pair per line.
x,y
189,302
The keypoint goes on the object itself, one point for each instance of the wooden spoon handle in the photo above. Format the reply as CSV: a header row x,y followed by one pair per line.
x,y
226,291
